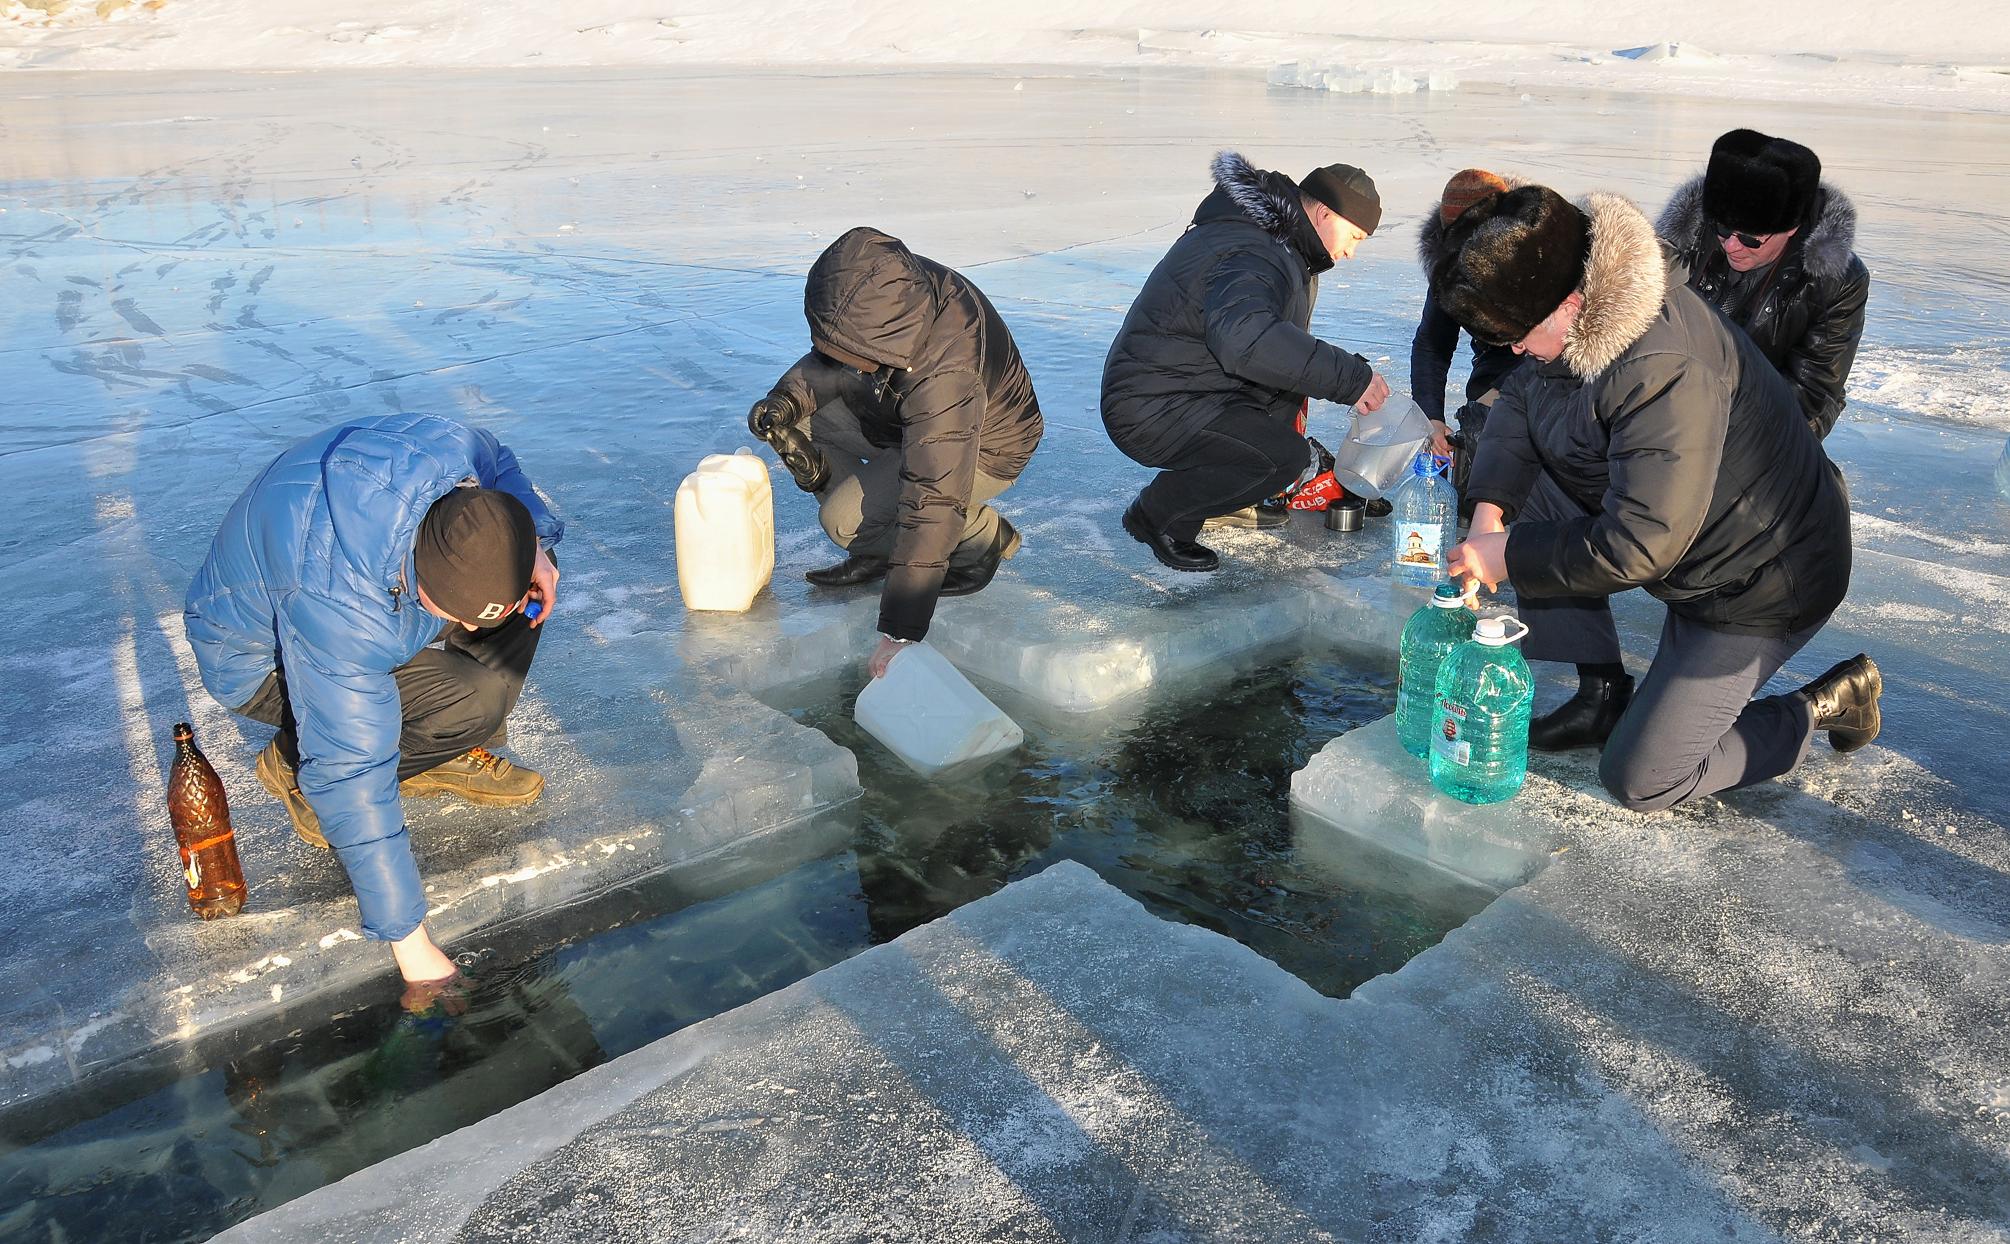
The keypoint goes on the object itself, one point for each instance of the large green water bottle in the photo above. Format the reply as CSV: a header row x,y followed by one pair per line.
x,y
1479,751
1428,638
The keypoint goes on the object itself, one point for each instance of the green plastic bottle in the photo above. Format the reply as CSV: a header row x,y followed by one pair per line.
x,y
1479,753
1428,638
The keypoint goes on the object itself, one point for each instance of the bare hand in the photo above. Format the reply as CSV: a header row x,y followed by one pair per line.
x,y
543,586
883,655
449,995
1482,559
1441,438
419,961
1487,517
1374,395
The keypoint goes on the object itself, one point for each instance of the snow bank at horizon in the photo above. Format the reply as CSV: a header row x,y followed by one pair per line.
x,y
1956,54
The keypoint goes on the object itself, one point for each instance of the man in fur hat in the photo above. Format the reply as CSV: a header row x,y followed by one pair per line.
x,y
1772,246
1213,364
1649,445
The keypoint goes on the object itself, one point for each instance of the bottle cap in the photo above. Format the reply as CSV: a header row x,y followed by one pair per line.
x,y
1447,596
1423,464
1494,632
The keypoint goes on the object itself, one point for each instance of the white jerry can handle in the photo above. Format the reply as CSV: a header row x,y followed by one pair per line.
x,y
1493,632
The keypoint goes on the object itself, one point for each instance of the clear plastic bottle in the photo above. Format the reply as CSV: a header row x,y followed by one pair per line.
x,y
1479,753
1428,638
1423,523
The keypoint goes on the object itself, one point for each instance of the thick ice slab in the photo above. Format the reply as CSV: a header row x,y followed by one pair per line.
x,y
678,770
1634,1046
1363,783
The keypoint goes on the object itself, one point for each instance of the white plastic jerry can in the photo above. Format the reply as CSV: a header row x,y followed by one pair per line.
x,y
725,532
928,714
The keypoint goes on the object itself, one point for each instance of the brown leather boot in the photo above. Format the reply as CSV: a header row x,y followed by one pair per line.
x,y
478,776
281,782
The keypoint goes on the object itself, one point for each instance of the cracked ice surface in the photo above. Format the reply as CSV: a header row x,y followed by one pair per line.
x,y
197,270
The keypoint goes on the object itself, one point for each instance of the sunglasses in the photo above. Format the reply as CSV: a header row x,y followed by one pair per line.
x,y
1750,241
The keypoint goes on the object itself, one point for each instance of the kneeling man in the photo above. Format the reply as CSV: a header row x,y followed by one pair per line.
x,y
1651,445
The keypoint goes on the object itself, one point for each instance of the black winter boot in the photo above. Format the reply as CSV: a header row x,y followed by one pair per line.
x,y
1844,702
855,569
1179,554
1379,507
963,580
780,423
1585,719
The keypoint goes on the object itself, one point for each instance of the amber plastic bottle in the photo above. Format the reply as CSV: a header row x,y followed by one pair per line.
x,y
201,816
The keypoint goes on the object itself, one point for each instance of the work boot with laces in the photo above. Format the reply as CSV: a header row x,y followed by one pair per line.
x,y
282,782
478,776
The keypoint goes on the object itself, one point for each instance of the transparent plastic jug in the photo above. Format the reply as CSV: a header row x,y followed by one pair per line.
x,y
1423,524
1428,638
1479,752
1379,448
725,532
928,714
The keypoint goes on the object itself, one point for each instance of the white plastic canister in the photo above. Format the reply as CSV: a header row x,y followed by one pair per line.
x,y
928,714
725,532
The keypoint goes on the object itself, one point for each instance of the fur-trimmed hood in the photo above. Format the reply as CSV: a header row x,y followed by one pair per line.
x,y
1625,284
1826,247
1270,200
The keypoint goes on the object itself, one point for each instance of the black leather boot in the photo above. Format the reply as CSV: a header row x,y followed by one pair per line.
x,y
963,580
1844,702
1380,507
1585,719
855,569
1179,554
780,423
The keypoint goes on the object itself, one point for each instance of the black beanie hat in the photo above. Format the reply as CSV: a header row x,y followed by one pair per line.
x,y
1510,260
1760,184
1348,191
475,550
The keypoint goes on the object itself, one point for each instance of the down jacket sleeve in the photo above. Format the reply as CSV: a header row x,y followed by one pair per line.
x,y
1431,349
1253,342
347,718
1666,418
940,418
1507,464
1819,362
495,466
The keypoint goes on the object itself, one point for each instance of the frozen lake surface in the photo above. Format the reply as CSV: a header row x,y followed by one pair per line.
x,y
605,268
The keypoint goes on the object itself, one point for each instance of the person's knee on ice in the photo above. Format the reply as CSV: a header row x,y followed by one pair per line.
x,y
1635,781
1222,326
437,523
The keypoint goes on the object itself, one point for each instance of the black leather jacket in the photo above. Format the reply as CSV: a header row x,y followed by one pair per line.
x,y
1805,312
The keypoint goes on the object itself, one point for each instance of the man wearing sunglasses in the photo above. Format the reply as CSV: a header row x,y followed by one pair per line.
x,y
1772,246
911,412
377,593
1649,444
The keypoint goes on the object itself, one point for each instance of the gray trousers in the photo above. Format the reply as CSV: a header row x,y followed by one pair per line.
x,y
860,507
1693,727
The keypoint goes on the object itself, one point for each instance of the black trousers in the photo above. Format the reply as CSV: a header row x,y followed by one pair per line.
x,y
452,698
1242,456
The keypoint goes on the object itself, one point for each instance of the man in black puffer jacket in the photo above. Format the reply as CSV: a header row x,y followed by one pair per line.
x,y
1655,447
1213,364
1772,246
919,411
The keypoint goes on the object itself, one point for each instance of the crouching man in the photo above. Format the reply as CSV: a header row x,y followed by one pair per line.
x,y
1213,366
332,575
911,411
1652,445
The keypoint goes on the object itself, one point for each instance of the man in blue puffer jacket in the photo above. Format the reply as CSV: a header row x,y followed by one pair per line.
x,y
343,561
